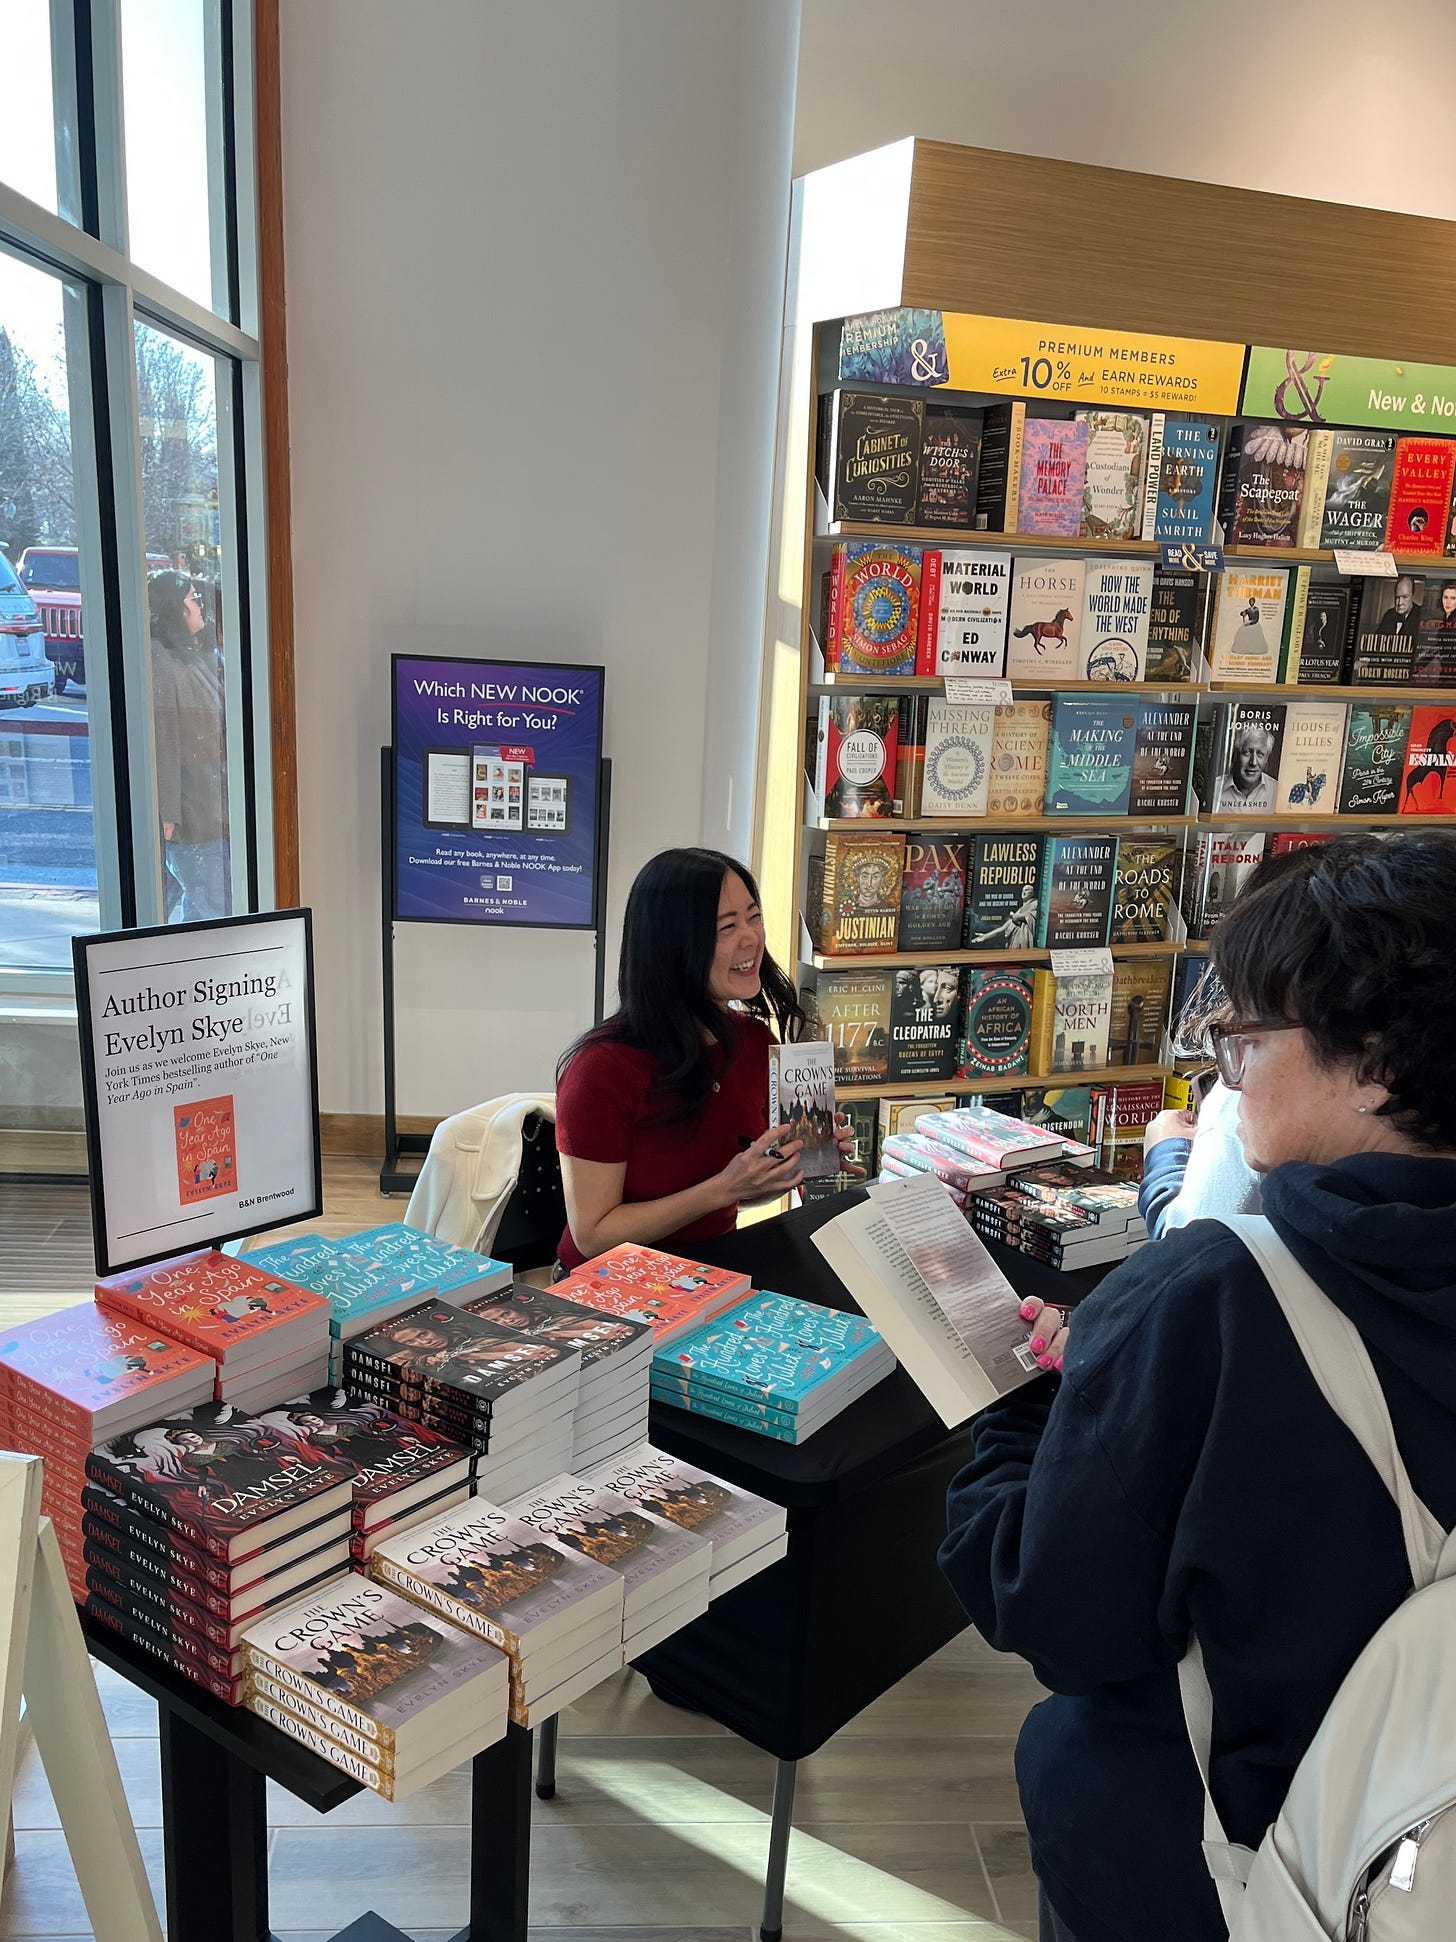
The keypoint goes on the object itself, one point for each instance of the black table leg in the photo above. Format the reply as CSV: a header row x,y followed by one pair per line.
x,y
214,1838
500,1840
546,1759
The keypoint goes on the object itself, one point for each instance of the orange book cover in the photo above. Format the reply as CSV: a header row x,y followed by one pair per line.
x,y
207,1161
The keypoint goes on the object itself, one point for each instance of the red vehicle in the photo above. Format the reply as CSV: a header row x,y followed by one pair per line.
x,y
51,575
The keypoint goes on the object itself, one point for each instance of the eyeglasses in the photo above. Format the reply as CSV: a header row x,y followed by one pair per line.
x,y
1230,1045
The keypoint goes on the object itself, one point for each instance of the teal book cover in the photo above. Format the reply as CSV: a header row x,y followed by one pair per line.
x,y
1187,481
1077,875
410,1251
352,1280
772,1345
1090,756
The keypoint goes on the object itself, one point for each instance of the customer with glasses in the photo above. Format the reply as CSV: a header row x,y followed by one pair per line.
x,y
1185,1476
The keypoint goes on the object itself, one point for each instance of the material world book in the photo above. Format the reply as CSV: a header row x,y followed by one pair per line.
x,y
1248,624
852,1010
925,1005
1018,759
1116,473
1428,785
207,1149
949,458
1115,621
1075,891
873,619
965,600
1182,479
1045,627
1090,756
1375,747
871,468
855,754
957,760
1001,903
801,1096
1053,476
1162,757
932,893
998,1022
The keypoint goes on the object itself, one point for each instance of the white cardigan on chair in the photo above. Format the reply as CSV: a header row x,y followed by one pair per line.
x,y
471,1169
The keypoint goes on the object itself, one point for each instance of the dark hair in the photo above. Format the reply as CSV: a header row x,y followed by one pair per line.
x,y
166,591
1355,940
669,936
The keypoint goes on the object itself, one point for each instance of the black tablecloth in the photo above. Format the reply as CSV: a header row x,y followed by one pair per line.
x,y
790,1657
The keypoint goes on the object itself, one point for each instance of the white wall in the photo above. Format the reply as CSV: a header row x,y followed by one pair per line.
x,y
535,259
1314,98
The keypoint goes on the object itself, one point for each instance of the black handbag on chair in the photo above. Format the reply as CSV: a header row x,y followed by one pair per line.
x,y
533,1218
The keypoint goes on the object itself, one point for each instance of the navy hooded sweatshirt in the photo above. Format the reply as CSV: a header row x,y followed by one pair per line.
x,y
1186,1475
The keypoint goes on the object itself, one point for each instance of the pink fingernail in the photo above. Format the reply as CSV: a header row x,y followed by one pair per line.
x,y
1058,1363
1038,1343
1029,1311
1043,1361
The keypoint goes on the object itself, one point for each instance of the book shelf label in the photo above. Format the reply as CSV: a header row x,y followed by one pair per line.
x,y
1374,566
968,690
1090,961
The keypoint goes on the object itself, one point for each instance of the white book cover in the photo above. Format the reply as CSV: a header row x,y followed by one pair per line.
x,y
801,1096
1248,623
1046,619
733,1519
1116,478
1309,762
957,759
1115,620
971,610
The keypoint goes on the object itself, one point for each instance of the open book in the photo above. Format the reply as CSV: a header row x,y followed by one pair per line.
x,y
933,1291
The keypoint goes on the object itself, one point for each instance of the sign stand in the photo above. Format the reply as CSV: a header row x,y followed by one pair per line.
x,y
394,1178
43,1659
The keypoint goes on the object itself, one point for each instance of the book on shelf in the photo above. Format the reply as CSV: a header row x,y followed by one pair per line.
x,y
913,713
1064,1110
997,1140
653,1557
1244,759
1074,893
925,1008
1045,624
1141,990
1090,755
1319,625
738,1524
1283,840
1115,481
1120,1116
933,893
1054,455
950,455
1001,892
1435,655
957,759
1070,1020
864,1126
1348,476
856,748
1115,621
1162,757
1248,624
1263,485
998,488
1387,630
1145,890
873,611
1182,481
997,1033
1375,747
1420,495
859,906
1018,759
870,453
964,602
1221,865
450,1270
1309,760
906,1154
1428,782
801,1096
852,1010
222,1306
794,1355
1175,624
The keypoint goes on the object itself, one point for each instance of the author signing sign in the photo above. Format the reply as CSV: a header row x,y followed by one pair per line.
x,y
197,1050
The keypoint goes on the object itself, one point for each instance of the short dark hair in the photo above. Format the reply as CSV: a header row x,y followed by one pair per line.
x,y
1355,940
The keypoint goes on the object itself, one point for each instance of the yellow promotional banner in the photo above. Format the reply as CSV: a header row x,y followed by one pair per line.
x,y
1092,367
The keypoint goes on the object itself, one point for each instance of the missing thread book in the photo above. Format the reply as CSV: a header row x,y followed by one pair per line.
x,y
1090,756
932,893
957,759
856,749
1375,748
871,442
801,1096
1018,759
925,1009
207,1150
1046,620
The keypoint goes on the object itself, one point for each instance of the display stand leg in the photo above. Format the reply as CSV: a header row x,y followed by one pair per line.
x,y
214,1838
772,1926
500,1840
546,1759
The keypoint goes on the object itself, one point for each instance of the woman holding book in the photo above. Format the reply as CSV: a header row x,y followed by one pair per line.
x,y
662,1111
1185,1478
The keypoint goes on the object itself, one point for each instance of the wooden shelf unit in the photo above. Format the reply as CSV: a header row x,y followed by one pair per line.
x,y
954,825
900,960
960,539
988,1082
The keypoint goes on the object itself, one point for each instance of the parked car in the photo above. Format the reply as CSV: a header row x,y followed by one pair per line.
x,y
25,673
52,575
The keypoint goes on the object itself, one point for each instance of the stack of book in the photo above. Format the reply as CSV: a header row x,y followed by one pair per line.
x,y
991,1139
552,1609
510,1396
647,1285
69,1380
194,1605
404,1472
394,1695
1067,1216
748,1533
616,1365
231,1487
360,1290
456,1273
774,1365
664,1570
903,1155
268,1337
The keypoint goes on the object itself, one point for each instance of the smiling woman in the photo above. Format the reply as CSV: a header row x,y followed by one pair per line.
x,y
662,1111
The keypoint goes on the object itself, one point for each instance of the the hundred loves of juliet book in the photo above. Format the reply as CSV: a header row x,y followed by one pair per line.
x,y
776,1347
207,1148
801,1096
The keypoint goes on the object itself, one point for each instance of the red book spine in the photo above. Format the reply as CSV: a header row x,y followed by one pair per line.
x,y
834,631
144,1534
928,632
166,1600
229,1690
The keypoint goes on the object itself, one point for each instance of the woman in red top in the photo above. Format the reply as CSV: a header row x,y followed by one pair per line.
x,y
662,1111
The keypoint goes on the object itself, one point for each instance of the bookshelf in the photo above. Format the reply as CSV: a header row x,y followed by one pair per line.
x,y
950,227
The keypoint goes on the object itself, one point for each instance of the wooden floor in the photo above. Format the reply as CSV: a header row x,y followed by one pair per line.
x,y
907,1825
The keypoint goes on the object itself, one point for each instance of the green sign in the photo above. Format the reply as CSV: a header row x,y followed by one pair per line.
x,y
1328,388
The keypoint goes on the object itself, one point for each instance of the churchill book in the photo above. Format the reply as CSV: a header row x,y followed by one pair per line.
x,y
932,893
925,1010
1046,620
1001,902
1375,748
949,458
1090,756
871,444
1116,473
1018,760
1117,611
856,746
1053,476
1075,891
1387,629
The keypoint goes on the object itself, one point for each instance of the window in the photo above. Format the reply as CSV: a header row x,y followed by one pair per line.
x,y
134,739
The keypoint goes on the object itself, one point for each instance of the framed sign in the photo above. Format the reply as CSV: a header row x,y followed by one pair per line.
x,y
200,1073
497,768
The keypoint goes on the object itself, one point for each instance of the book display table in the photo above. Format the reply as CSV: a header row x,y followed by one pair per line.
x,y
216,1761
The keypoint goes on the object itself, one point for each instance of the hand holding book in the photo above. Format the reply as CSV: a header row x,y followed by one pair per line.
x,y
764,1170
1048,1327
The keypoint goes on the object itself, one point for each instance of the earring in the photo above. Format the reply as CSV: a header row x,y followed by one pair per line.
x,y
1362,1109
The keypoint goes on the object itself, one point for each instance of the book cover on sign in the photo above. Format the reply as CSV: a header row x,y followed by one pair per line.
x,y
207,1149
856,749
1118,607
1428,785
1053,476
925,1006
1045,626
801,1096
1018,759
210,1300
966,602
1090,756
1375,746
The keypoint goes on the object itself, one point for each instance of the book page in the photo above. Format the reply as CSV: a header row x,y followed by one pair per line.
x,y
447,787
